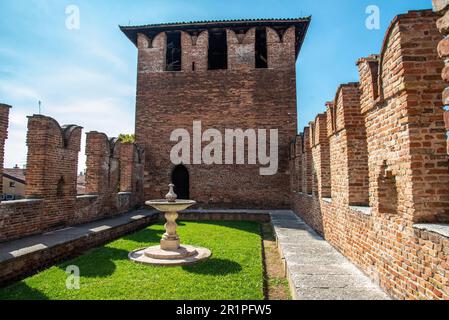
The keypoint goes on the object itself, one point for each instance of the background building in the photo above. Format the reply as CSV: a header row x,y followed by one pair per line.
x,y
228,75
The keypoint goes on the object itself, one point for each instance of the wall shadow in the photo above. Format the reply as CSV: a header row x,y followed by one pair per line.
x,y
145,236
214,267
21,291
98,263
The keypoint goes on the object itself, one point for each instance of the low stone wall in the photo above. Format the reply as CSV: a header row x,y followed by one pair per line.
x,y
29,261
216,215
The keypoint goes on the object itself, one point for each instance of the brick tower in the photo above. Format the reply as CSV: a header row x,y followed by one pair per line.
x,y
228,75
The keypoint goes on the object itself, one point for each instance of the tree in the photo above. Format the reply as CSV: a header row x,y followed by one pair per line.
x,y
127,138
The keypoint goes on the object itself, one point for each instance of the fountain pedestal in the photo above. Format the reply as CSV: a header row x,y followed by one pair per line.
x,y
170,252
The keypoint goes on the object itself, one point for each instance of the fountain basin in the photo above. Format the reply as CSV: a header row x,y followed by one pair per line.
x,y
185,255
165,206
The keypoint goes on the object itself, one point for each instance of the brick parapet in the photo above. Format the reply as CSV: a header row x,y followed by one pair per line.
x,y
400,108
51,180
4,122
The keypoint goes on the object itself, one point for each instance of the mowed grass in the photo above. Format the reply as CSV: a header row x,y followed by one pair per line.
x,y
234,271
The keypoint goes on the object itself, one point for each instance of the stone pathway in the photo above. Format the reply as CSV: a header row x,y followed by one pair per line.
x,y
317,271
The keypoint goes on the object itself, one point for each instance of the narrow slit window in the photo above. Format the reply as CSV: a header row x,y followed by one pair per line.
x,y
218,50
173,57
261,49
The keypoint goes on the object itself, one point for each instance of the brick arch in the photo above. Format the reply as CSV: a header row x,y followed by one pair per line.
x,y
64,136
114,147
143,42
338,123
273,36
385,46
246,38
158,40
71,136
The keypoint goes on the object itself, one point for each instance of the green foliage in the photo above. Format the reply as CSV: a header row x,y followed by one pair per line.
x,y
127,138
234,271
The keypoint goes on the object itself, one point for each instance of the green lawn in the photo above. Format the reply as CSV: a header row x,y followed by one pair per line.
x,y
233,272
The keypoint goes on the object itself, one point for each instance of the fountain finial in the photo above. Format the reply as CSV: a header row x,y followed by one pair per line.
x,y
171,195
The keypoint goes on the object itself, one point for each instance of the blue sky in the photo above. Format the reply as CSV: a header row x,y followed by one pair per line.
x,y
87,76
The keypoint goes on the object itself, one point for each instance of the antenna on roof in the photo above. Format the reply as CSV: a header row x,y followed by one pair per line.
x,y
40,104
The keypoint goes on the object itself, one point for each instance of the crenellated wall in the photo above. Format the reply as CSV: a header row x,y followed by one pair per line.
x,y
113,180
389,169
239,97
4,120
441,7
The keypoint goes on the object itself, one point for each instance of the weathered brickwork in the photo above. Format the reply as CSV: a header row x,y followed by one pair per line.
x,y
389,166
239,97
4,120
442,9
114,179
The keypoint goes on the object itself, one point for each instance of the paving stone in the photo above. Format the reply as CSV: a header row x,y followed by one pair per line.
x,y
315,268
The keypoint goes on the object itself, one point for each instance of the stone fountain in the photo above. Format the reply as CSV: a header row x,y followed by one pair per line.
x,y
170,252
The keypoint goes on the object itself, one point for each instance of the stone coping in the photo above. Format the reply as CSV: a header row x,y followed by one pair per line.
x,y
362,209
227,211
87,196
439,228
21,201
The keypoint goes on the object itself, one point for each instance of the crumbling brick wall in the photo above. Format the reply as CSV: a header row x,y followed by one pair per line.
x,y
114,179
389,165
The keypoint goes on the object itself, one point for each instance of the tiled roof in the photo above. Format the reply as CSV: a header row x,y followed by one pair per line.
x,y
151,30
16,174
206,22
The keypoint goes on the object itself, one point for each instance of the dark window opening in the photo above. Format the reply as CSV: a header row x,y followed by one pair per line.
x,y
193,66
218,50
173,57
261,48
60,187
180,178
387,192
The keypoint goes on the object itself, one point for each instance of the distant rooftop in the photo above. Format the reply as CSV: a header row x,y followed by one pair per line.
x,y
15,174
243,25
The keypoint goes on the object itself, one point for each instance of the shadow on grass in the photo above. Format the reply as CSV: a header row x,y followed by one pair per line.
x,y
21,291
215,267
99,262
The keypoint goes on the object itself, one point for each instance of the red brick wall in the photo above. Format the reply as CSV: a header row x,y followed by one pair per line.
x,y
348,146
239,97
442,9
406,162
4,119
52,165
321,157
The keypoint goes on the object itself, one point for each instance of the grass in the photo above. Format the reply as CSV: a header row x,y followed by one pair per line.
x,y
234,272
276,283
